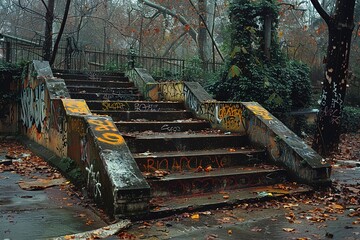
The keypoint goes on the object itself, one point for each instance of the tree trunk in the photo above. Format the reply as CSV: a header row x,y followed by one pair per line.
x,y
340,27
62,27
49,19
202,34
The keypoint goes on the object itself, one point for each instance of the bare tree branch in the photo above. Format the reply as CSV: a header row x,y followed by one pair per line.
x,y
181,18
58,38
207,29
321,11
167,50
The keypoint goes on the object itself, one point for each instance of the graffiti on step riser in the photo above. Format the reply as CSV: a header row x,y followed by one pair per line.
x,y
106,106
146,107
167,128
184,163
106,131
93,181
203,185
33,108
172,91
260,111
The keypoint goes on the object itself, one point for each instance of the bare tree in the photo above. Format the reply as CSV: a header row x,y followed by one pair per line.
x,y
340,27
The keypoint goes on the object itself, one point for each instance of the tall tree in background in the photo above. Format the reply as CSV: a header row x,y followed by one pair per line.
x,y
199,32
340,27
49,20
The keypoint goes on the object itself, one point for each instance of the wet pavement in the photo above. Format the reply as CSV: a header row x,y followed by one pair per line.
x,y
61,211
299,217
40,214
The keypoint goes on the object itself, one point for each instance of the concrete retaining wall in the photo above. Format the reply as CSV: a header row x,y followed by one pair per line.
x,y
66,126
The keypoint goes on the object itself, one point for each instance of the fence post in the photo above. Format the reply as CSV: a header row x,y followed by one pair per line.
x,y
131,63
8,51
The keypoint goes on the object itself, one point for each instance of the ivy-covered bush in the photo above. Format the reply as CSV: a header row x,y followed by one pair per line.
x,y
350,119
271,79
193,70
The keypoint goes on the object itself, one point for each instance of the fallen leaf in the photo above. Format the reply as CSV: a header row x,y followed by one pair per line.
x,y
256,229
208,169
195,216
288,229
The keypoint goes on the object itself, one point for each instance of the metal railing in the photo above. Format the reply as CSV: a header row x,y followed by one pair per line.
x,y
15,50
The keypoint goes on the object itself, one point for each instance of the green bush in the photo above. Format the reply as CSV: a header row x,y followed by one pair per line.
x,y
193,70
276,83
350,119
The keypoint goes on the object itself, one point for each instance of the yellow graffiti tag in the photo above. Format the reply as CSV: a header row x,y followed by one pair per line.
x,y
107,130
260,111
229,111
76,106
111,138
103,125
113,106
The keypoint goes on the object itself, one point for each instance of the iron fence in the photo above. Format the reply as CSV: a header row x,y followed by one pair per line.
x,y
15,50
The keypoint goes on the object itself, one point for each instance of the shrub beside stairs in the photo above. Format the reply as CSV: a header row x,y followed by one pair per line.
x,y
186,150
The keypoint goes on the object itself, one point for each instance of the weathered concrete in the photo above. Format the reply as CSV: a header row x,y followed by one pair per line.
x,y
68,128
283,146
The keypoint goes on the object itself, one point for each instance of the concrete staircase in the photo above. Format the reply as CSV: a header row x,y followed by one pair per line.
x,y
186,163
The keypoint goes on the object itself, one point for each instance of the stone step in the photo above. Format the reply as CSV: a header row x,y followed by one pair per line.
x,y
220,179
162,126
203,202
93,76
104,96
93,89
84,72
134,105
96,83
182,141
148,115
198,160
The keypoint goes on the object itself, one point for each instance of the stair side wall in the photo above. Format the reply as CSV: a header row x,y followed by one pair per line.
x,y
285,147
66,127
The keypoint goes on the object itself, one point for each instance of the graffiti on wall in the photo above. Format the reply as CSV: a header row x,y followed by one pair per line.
x,y
172,91
84,149
33,107
227,116
191,100
93,181
76,106
260,111
106,131
58,122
